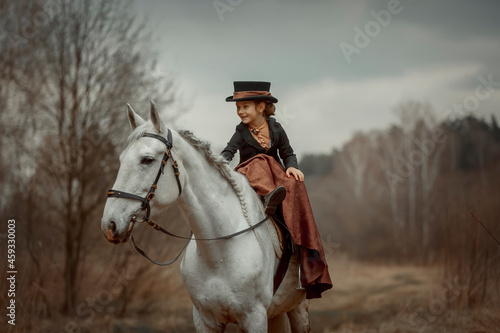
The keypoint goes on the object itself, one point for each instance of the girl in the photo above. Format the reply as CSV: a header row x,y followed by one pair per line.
x,y
260,139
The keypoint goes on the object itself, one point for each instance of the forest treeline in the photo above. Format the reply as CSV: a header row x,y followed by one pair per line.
x,y
415,193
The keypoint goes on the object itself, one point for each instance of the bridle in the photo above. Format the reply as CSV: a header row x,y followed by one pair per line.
x,y
151,193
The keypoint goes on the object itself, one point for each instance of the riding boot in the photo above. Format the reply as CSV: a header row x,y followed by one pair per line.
x,y
273,199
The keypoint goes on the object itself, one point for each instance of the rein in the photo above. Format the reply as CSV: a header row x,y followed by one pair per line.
x,y
150,195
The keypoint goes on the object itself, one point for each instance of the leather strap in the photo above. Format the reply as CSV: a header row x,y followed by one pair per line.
x,y
168,141
150,195
138,249
120,194
157,227
279,276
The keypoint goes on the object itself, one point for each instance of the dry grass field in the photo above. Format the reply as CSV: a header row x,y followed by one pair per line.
x,y
367,297
393,298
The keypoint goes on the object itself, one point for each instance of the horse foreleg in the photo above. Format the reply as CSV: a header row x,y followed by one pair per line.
x,y
202,324
254,322
279,324
299,318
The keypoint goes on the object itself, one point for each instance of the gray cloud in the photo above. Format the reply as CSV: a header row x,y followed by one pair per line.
x,y
295,45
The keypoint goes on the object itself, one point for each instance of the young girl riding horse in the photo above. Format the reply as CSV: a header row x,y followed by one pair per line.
x,y
259,138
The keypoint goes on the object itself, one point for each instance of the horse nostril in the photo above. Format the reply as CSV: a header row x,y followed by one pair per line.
x,y
112,226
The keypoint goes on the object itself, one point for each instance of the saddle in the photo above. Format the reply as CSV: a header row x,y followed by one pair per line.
x,y
283,248
277,236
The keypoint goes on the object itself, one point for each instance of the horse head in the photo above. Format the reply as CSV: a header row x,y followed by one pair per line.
x,y
142,176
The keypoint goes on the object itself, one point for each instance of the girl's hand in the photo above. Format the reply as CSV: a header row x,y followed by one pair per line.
x,y
299,175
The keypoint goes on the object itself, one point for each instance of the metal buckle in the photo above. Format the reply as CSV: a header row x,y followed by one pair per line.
x,y
150,196
176,168
152,225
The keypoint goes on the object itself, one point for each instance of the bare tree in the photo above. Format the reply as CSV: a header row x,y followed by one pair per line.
x,y
409,114
418,154
389,151
76,65
355,161
431,145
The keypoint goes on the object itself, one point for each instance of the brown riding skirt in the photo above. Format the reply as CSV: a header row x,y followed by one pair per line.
x,y
264,174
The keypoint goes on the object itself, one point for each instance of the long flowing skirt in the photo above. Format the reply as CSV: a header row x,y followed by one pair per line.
x,y
264,174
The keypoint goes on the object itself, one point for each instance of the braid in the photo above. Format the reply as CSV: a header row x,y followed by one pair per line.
x,y
239,192
221,164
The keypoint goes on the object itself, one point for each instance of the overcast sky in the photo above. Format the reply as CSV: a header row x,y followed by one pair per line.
x,y
337,67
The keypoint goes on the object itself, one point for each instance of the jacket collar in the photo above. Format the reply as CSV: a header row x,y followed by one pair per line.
x,y
248,137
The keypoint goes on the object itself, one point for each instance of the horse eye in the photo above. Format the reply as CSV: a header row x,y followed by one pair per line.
x,y
147,160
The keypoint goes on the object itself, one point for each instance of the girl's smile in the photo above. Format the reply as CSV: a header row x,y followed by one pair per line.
x,y
250,113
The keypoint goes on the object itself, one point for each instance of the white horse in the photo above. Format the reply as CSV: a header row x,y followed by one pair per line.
x,y
231,280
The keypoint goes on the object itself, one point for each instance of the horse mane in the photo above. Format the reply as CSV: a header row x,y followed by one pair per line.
x,y
220,163
217,161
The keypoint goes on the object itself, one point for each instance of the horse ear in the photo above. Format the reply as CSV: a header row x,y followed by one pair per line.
x,y
155,118
133,118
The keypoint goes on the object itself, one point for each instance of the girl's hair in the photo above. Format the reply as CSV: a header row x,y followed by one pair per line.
x,y
269,108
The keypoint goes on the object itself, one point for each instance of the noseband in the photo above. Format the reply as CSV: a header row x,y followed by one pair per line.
x,y
151,193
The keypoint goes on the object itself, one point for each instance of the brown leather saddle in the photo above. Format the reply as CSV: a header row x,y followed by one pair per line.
x,y
283,249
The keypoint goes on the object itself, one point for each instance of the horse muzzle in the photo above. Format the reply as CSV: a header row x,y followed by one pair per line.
x,y
113,233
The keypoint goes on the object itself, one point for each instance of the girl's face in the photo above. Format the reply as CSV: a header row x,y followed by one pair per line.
x,y
250,113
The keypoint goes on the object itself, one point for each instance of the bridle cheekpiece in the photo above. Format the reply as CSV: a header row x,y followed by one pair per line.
x,y
151,193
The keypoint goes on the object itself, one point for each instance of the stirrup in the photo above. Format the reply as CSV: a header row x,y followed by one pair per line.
x,y
299,260
300,280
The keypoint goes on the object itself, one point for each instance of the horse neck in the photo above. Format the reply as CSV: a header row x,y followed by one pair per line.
x,y
209,201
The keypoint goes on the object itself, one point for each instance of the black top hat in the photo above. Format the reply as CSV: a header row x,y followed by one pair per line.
x,y
252,90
